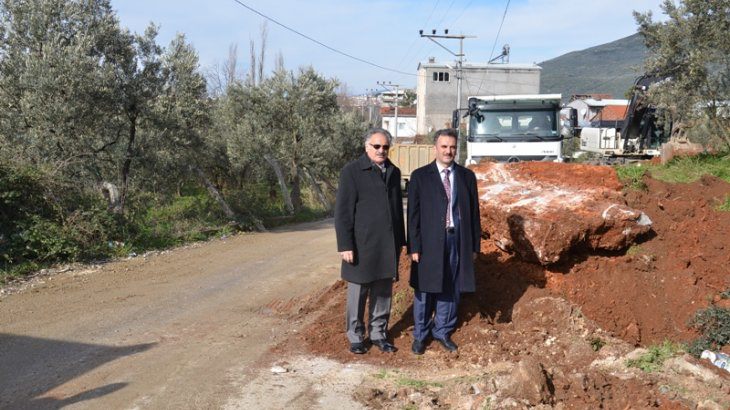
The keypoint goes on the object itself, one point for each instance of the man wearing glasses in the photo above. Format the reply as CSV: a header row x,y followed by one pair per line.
x,y
370,237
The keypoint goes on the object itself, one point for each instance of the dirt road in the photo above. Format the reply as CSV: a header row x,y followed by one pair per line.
x,y
182,329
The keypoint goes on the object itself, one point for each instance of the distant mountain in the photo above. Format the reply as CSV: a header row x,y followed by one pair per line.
x,y
610,68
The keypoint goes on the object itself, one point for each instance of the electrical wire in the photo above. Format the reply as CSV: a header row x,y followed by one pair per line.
x,y
496,38
462,12
407,53
491,54
321,43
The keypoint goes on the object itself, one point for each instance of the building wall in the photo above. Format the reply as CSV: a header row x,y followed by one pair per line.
x,y
437,99
407,126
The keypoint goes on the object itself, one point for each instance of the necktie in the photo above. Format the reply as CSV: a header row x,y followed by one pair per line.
x,y
447,188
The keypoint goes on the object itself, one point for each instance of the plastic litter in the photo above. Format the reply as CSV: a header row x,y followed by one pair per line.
x,y
719,359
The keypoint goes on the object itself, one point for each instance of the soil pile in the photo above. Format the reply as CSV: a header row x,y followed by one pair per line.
x,y
573,324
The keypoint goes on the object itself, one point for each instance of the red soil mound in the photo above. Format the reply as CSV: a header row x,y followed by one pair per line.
x,y
644,296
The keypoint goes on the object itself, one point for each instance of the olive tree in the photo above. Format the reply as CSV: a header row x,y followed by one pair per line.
x,y
691,50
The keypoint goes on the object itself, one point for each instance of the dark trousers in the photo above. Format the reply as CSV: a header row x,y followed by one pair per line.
x,y
435,313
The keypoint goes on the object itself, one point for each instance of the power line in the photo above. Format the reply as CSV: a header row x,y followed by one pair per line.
x,y
321,43
446,13
496,38
462,12
407,53
491,54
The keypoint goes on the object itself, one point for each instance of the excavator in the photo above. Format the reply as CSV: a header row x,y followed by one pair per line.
x,y
641,135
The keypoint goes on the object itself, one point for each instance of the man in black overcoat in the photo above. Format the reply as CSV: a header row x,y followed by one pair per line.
x,y
443,238
370,236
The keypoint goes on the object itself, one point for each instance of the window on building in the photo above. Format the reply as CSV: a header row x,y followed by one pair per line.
x,y
440,76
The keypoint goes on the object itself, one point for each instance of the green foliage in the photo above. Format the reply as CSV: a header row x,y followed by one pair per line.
x,y
691,168
157,223
689,48
88,105
681,169
43,222
654,359
597,344
416,383
631,175
725,206
713,325
634,250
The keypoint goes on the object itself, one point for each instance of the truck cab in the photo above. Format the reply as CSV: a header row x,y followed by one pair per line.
x,y
513,128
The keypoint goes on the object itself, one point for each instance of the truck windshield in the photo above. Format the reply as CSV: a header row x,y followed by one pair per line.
x,y
513,124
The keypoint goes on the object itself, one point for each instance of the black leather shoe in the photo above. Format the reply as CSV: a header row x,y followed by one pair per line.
x,y
418,347
448,344
358,348
384,346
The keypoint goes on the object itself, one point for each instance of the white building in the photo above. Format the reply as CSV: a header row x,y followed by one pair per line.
x,y
436,89
588,108
406,127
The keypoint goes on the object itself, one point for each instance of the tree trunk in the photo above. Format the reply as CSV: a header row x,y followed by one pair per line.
x,y
296,190
274,163
127,164
111,193
230,214
317,190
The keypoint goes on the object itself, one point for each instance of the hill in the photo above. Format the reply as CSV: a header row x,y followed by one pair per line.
x,y
608,68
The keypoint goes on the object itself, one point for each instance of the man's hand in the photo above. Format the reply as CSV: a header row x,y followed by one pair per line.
x,y
415,256
348,256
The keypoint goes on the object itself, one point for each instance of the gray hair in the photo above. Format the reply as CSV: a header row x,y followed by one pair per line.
x,y
448,132
373,131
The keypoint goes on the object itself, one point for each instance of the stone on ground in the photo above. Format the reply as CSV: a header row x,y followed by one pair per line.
x,y
542,210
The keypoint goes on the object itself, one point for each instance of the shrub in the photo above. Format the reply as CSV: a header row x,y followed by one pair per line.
x,y
654,359
713,325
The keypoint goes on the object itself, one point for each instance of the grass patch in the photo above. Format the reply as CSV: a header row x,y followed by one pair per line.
x,y
724,206
682,169
18,271
713,325
689,169
597,344
634,250
416,383
404,381
631,175
656,356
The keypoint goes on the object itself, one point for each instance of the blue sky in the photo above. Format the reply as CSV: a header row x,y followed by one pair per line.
x,y
385,32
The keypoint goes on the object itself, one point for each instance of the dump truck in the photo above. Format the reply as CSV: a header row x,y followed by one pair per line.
x,y
409,157
513,128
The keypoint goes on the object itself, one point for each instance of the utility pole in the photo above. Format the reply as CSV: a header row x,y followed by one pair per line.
x,y
459,65
389,86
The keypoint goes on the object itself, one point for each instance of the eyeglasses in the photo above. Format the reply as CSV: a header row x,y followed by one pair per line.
x,y
378,146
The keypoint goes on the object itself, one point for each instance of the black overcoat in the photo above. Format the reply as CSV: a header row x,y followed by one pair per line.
x,y
426,227
369,220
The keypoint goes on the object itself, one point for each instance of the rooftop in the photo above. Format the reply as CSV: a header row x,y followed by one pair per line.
x,y
611,113
477,66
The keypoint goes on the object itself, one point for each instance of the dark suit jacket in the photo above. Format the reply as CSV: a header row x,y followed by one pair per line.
x,y
427,223
369,220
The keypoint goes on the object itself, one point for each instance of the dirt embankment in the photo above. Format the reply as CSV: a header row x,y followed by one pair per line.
x,y
560,335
